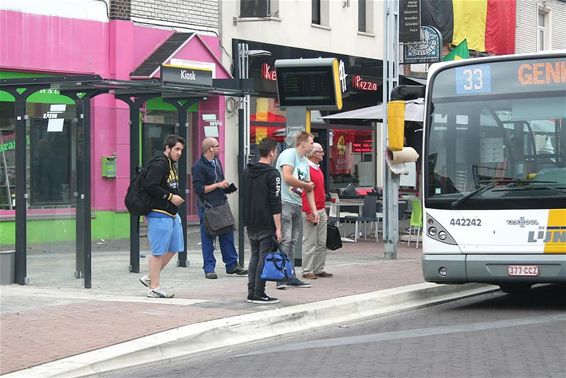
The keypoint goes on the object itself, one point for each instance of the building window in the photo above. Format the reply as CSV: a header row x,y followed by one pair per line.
x,y
362,16
255,8
316,12
320,12
543,26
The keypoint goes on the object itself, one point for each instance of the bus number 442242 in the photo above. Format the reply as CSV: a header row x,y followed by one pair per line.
x,y
465,222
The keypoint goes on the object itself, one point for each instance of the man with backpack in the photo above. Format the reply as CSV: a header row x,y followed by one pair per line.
x,y
262,215
165,231
211,187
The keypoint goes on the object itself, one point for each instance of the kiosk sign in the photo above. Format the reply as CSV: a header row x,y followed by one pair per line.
x,y
186,75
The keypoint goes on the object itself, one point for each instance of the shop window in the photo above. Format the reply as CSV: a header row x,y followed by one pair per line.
x,y
266,120
351,159
7,155
50,161
156,126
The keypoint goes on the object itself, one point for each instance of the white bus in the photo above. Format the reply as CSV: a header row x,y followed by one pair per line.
x,y
494,171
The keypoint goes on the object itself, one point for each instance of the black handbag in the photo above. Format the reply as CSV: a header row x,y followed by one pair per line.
x,y
218,220
333,239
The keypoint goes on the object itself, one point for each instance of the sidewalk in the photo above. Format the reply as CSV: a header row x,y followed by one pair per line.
x,y
54,318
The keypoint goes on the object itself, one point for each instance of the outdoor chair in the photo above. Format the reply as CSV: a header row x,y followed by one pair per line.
x,y
416,222
368,215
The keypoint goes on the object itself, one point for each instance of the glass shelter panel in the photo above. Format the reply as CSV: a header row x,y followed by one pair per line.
x,y
52,138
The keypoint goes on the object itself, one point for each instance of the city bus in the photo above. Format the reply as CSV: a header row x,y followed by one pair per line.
x,y
494,171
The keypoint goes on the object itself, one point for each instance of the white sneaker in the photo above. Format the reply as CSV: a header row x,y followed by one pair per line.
x,y
145,280
159,293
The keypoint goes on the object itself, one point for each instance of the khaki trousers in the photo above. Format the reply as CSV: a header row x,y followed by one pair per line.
x,y
314,244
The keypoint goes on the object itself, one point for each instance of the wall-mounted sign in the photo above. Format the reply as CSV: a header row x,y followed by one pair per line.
x,y
359,83
194,64
425,51
186,75
409,20
268,72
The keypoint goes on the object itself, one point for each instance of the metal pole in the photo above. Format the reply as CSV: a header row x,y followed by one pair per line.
x,y
240,69
182,170
85,196
21,192
390,80
134,162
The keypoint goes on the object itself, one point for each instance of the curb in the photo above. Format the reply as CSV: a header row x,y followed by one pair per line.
x,y
200,337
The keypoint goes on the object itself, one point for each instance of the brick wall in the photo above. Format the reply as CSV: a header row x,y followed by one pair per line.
x,y
526,35
120,9
198,13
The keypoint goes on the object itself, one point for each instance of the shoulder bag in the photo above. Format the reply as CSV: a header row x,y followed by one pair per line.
x,y
277,266
218,220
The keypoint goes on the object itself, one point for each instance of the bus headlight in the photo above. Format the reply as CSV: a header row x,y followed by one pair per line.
x,y
435,231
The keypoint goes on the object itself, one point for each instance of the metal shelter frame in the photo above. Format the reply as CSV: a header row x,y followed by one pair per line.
x,y
81,89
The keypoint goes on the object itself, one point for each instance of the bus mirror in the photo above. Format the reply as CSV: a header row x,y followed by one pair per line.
x,y
408,92
395,125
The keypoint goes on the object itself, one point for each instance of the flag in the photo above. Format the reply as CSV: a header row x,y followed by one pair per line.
x,y
459,52
488,25
469,23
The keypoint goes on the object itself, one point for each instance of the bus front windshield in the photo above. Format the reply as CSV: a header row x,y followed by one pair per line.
x,y
496,148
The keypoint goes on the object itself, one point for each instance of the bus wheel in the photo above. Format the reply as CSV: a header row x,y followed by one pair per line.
x,y
515,288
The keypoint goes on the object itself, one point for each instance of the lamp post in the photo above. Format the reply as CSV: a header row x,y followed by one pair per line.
x,y
244,54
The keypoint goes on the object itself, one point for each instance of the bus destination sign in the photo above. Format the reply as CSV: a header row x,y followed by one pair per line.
x,y
497,78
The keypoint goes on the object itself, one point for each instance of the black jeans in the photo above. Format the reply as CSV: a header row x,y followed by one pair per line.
x,y
261,243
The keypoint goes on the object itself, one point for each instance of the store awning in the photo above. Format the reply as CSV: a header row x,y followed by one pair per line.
x,y
414,111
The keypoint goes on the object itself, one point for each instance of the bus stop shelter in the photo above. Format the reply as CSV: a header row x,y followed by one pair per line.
x,y
82,89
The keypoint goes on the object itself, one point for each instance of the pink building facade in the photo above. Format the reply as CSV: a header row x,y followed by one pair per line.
x,y
37,45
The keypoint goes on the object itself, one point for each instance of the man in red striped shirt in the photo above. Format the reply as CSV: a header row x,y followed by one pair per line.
x,y
314,234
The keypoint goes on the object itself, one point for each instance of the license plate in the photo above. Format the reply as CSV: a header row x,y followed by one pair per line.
x,y
522,270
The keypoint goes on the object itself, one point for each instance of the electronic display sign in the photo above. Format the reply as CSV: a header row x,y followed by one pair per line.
x,y
312,83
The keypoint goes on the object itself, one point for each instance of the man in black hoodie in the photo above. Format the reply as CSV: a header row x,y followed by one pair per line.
x,y
165,232
262,215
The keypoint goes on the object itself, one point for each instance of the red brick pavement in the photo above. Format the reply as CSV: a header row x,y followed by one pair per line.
x,y
55,331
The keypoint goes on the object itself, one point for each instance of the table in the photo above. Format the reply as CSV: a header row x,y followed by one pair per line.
x,y
336,213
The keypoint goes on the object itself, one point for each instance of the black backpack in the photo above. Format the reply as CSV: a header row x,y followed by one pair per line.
x,y
137,200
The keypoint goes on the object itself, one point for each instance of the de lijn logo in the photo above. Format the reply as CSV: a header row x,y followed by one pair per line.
x,y
552,234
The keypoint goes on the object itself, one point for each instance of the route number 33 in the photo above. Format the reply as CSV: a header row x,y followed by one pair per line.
x,y
473,79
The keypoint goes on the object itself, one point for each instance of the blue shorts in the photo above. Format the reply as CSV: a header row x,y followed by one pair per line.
x,y
165,234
